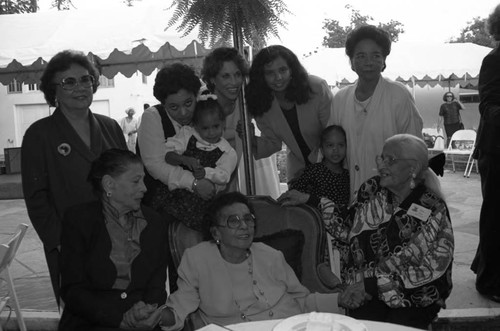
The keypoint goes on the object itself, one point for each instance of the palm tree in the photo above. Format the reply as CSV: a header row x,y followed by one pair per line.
x,y
250,21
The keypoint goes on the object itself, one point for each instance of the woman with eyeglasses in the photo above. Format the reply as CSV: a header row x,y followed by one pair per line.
x,y
231,279
374,108
57,150
398,238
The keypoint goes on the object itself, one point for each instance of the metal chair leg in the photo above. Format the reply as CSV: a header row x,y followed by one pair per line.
x,y
15,301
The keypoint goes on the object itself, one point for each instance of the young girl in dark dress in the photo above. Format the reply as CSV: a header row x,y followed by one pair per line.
x,y
327,178
201,149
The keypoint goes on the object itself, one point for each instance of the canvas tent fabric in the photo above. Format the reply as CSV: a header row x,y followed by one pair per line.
x,y
124,39
422,64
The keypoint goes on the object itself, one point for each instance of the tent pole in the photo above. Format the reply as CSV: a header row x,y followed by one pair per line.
x,y
413,86
245,121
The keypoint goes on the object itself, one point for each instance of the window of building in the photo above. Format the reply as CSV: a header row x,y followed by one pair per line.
x,y
15,87
33,87
106,82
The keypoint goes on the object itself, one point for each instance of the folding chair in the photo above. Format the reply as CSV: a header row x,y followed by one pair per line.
x,y
462,143
8,251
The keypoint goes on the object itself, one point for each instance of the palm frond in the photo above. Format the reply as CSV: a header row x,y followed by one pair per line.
x,y
216,19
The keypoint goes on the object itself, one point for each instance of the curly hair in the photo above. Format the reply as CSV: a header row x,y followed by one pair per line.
x,y
258,94
62,61
206,107
173,78
329,129
378,35
214,62
493,23
227,199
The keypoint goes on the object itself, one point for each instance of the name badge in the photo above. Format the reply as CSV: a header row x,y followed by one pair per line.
x,y
419,212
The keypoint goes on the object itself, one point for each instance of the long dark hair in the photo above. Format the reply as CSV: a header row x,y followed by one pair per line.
x,y
259,96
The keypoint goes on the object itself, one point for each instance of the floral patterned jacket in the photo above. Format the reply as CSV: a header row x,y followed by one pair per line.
x,y
403,253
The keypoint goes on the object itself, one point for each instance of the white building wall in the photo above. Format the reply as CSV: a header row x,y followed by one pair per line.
x,y
19,110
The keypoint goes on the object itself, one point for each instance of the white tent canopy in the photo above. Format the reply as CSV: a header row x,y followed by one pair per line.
x,y
430,63
124,39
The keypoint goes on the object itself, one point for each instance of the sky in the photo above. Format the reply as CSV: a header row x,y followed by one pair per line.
x,y
423,20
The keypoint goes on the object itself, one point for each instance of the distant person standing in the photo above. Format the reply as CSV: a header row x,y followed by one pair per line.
x,y
486,264
130,125
449,112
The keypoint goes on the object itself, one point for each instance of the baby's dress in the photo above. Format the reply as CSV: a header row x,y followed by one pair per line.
x,y
185,205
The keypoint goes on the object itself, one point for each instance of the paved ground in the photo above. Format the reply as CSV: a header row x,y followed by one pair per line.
x,y
464,200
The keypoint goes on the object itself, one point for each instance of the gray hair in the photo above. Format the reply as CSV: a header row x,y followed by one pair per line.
x,y
413,147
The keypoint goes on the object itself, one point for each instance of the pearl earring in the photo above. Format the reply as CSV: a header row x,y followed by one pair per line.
x,y
108,194
412,181
217,241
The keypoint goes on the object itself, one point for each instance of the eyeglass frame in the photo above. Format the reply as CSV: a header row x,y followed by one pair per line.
x,y
78,82
240,220
392,161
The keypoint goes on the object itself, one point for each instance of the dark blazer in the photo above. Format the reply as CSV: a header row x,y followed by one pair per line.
x,y
88,273
52,182
488,135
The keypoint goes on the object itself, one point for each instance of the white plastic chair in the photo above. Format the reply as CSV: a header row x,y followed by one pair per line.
x,y
8,251
462,143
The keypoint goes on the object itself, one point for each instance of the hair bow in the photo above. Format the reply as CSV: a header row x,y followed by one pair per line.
x,y
205,97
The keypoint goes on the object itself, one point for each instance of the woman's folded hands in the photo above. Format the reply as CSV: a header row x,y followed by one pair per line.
x,y
353,296
141,316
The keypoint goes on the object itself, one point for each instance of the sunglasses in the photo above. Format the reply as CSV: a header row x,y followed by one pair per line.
x,y
70,83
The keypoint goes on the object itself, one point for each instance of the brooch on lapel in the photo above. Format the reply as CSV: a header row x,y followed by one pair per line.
x,y
64,149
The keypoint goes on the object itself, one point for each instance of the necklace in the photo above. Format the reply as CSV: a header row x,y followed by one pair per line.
x,y
362,105
258,292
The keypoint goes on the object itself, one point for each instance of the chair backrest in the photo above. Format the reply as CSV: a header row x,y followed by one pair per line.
x,y
271,218
462,140
9,249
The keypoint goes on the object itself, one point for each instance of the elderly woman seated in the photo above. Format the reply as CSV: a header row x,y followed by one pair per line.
x,y
113,252
398,238
231,279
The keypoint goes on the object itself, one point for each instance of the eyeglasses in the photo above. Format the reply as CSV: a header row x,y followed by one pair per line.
x,y
234,221
70,83
389,160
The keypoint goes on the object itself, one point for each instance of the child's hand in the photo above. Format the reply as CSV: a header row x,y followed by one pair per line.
x,y
191,163
293,198
199,173
239,130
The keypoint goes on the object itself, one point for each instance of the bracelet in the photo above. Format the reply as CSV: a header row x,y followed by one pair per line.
x,y
193,186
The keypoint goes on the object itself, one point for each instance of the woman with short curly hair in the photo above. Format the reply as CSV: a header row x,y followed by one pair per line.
x,y
485,264
57,150
373,108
